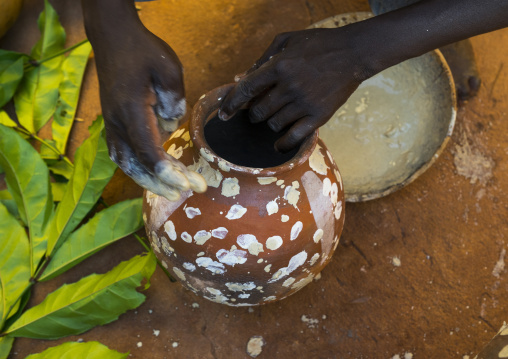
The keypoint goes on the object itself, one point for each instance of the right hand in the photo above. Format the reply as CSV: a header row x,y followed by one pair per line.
x,y
142,97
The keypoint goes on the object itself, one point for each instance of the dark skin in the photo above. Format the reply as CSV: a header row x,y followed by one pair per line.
x,y
299,82
305,76
142,96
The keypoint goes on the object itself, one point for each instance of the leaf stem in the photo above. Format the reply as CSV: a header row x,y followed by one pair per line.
x,y
37,138
36,63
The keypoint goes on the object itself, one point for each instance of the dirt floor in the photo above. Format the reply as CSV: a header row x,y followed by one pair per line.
x,y
447,298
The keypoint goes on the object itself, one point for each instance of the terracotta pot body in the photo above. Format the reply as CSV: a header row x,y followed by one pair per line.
x,y
257,234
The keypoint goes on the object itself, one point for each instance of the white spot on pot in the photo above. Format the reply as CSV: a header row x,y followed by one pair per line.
x,y
274,242
317,161
166,247
230,187
284,218
270,298
296,261
169,227
217,295
249,242
266,180
212,177
317,235
201,237
302,282
288,282
177,133
240,287
338,210
279,182
207,155
338,177
175,152
236,211
192,212
156,244
186,237
186,136
200,254
244,295
189,266
219,232
292,195
144,217
223,165
334,193
314,259
267,268
295,230
327,187
211,265
232,257
272,207
179,273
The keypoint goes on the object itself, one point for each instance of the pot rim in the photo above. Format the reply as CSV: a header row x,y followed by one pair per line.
x,y
206,108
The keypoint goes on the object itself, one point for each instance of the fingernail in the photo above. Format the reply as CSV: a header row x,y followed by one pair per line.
x,y
197,182
223,116
240,76
172,176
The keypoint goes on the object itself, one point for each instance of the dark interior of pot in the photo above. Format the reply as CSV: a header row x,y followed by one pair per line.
x,y
244,143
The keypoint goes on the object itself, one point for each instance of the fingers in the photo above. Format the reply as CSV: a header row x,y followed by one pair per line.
x,y
268,104
286,116
296,134
245,90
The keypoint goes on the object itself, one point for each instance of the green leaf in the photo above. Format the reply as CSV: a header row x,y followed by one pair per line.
x,y
5,346
27,179
58,190
36,98
94,300
72,350
8,202
6,120
92,171
73,69
46,153
11,73
104,228
60,168
14,263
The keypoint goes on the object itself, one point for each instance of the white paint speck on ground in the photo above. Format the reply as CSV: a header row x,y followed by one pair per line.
x,y
195,305
311,323
174,344
255,346
499,267
396,261
408,355
140,344
156,332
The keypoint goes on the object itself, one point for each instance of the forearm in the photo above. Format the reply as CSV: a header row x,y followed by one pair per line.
x,y
427,25
108,21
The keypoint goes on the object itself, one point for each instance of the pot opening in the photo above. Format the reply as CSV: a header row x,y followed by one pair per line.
x,y
244,143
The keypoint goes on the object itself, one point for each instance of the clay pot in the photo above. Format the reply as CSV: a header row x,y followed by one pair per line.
x,y
256,235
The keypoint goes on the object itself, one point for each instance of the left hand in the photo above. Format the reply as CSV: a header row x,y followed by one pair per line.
x,y
300,81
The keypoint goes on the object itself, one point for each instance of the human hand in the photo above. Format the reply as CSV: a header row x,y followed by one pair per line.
x,y
299,82
142,97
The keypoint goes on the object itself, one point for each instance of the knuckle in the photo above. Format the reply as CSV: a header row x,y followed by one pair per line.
x,y
246,88
257,113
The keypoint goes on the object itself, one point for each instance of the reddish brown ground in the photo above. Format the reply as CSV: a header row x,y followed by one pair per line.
x,y
443,301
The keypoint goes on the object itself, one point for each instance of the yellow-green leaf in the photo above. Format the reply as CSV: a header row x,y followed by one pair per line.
x,y
73,350
73,69
11,73
27,179
14,263
104,228
37,94
94,300
6,120
5,346
92,171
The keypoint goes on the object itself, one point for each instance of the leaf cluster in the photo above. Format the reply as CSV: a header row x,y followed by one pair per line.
x,y
44,229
